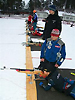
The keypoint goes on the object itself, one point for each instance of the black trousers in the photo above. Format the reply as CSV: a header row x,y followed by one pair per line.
x,y
47,66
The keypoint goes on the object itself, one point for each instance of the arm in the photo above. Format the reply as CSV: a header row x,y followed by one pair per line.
x,y
45,19
59,25
34,17
62,56
49,85
43,50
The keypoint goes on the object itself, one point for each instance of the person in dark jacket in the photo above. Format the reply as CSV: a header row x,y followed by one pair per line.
x,y
59,83
53,21
52,51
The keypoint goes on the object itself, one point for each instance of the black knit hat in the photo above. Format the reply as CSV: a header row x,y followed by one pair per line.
x,y
46,66
49,68
52,7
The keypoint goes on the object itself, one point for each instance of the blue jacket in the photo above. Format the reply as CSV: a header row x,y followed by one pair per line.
x,y
35,18
53,51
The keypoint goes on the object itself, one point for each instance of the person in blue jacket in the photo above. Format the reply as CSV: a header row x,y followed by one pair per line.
x,y
52,52
52,56
35,19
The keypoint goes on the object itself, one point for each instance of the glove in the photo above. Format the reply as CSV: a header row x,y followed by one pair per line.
x,y
41,84
41,66
44,20
65,78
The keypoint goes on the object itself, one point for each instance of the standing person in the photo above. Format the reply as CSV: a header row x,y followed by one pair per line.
x,y
53,21
29,19
35,19
52,52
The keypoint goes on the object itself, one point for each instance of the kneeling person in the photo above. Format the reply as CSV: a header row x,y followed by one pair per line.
x,y
61,84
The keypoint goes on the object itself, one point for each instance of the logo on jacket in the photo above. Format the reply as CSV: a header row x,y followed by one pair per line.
x,y
49,45
54,21
58,75
57,46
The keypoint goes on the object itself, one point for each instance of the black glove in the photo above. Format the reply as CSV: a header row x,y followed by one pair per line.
x,y
41,66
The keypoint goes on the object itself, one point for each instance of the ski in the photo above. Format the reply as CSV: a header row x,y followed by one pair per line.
x,y
32,43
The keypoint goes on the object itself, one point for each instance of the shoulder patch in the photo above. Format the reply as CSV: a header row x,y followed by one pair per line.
x,y
60,42
49,39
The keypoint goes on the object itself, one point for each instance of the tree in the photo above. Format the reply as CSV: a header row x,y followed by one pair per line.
x,y
31,6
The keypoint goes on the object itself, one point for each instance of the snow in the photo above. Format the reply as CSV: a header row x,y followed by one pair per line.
x,y
68,36
37,40
12,85
13,55
11,37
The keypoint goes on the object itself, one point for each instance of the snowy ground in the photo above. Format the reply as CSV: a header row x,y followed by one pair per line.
x,y
12,54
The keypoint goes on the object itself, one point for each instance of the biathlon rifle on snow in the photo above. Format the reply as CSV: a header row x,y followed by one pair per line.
x,y
34,71
19,69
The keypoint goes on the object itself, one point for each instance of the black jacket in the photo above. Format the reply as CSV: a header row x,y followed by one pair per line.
x,y
52,22
57,79
61,84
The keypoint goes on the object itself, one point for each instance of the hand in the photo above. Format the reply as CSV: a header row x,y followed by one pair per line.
x,y
56,65
44,20
41,84
42,59
41,66
46,73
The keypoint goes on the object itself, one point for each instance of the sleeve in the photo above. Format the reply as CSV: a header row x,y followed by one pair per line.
x,y
43,48
49,85
34,17
62,55
45,19
69,80
59,24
